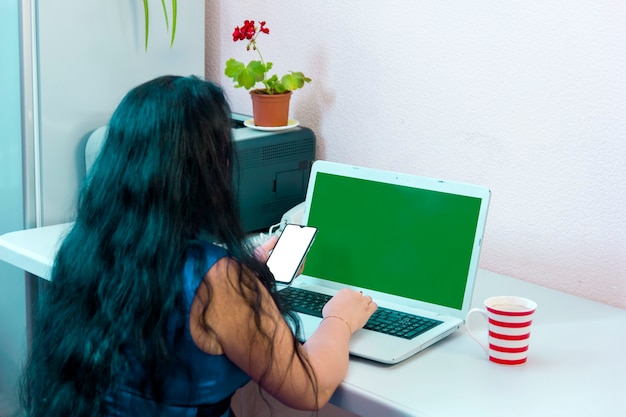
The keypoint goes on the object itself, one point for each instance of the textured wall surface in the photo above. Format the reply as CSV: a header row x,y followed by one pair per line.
x,y
528,98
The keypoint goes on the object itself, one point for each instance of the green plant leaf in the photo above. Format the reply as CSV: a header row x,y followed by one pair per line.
x,y
271,85
146,12
294,80
146,19
167,20
174,14
233,68
245,75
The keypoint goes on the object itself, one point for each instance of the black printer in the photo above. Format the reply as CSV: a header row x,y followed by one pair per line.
x,y
271,172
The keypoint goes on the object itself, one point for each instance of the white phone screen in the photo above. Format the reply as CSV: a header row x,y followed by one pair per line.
x,y
290,251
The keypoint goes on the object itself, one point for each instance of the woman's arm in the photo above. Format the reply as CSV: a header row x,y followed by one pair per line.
x,y
235,334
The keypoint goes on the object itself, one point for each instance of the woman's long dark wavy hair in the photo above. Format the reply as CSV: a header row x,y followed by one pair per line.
x,y
162,181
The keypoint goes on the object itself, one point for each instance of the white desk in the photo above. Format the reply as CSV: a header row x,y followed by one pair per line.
x,y
576,364
33,250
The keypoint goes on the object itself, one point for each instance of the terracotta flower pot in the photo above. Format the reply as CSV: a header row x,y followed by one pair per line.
x,y
270,110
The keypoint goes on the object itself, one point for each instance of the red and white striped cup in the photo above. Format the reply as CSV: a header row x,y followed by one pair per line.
x,y
509,319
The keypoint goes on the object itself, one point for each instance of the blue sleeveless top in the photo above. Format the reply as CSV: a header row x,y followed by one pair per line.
x,y
202,385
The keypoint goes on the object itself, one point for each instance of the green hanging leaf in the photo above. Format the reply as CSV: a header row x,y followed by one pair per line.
x,y
146,13
174,13
146,19
167,20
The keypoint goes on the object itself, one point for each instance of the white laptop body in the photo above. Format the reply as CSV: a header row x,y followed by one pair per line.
x,y
410,242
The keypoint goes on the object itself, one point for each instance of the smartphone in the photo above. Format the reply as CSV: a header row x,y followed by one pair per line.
x,y
290,250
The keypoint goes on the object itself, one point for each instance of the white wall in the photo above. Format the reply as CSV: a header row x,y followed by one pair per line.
x,y
526,97
12,284
90,53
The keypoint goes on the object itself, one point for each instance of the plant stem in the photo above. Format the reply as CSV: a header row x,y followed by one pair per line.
x,y
260,56
253,42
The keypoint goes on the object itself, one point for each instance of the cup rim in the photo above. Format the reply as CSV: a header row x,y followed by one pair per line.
x,y
529,306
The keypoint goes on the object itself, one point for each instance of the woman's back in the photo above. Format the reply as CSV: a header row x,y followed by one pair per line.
x,y
200,383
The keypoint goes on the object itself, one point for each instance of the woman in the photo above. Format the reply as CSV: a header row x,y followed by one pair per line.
x,y
146,314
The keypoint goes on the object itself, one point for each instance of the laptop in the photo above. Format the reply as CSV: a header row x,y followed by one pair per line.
x,y
410,242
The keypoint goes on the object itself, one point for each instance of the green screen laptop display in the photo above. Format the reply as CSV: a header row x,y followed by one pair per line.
x,y
396,239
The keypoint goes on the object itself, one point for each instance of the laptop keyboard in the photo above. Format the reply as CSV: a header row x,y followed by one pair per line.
x,y
384,320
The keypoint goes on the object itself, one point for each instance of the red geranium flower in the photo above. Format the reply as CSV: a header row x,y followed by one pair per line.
x,y
256,71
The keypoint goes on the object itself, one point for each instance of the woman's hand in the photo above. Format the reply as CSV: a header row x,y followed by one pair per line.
x,y
262,252
328,347
353,307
